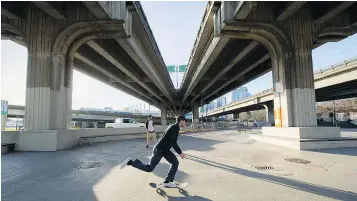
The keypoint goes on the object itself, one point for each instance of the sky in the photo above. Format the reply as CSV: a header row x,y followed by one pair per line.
x,y
175,28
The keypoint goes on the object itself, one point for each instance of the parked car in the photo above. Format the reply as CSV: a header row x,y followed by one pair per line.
x,y
235,121
124,123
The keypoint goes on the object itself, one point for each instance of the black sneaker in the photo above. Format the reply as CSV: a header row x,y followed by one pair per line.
x,y
147,146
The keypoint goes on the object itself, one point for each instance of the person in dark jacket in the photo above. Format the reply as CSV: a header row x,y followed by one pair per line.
x,y
162,149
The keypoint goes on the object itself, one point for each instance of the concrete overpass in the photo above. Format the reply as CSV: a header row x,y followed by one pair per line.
x,y
234,44
109,41
336,82
112,42
16,111
239,41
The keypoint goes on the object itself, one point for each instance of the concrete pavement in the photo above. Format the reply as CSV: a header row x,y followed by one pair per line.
x,y
220,165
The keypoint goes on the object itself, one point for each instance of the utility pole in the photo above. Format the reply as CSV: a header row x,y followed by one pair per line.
x,y
202,111
177,70
334,113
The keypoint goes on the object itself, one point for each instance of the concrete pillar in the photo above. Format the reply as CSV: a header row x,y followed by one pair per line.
x,y
269,113
163,109
236,115
294,94
49,77
216,118
294,97
195,116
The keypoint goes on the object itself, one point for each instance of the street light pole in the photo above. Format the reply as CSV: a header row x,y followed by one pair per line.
x,y
87,126
334,113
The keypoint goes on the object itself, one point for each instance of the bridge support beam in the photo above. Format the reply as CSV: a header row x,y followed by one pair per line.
x,y
293,79
195,116
163,109
236,115
294,97
49,78
289,43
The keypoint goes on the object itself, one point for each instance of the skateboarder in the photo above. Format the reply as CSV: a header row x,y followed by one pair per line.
x,y
150,131
162,149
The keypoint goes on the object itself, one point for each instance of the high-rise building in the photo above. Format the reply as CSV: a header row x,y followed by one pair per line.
x,y
211,106
240,93
221,101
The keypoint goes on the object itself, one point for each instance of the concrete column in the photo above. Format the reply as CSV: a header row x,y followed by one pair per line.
x,y
163,109
236,115
49,78
294,97
195,117
216,118
269,113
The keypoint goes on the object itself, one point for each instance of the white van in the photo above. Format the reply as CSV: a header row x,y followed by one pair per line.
x,y
124,123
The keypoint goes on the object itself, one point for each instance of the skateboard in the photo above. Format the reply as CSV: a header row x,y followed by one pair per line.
x,y
157,185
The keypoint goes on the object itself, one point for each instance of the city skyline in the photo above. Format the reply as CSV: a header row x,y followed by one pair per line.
x,y
167,27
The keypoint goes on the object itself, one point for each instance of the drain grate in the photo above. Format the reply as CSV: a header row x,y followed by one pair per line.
x,y
89,165
297,160
264,167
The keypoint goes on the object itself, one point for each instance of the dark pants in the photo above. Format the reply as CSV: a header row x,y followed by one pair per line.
x,y
155,159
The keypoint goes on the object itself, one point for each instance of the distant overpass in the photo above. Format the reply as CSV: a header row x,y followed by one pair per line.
x,y
337,82
16,111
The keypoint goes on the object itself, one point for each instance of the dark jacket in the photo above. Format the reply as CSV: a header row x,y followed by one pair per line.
x,y
169,139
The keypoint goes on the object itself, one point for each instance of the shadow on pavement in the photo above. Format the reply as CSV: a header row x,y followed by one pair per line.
x,y
339,151
55,176
197,143
186,195
299,185
349,130
162,169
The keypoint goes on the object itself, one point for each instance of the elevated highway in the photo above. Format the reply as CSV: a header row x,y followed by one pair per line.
x,y
110,41
16,111
239,41
228,53
336,82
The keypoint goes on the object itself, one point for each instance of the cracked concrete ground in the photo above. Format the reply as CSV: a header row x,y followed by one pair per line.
x,y
220,166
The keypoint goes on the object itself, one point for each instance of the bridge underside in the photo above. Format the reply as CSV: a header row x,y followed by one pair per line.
x,y
338,91
109,41
240,41
237,42
334,92
256,59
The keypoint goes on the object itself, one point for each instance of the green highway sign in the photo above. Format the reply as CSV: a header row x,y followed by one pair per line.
x,y
4,105
173,68
182,68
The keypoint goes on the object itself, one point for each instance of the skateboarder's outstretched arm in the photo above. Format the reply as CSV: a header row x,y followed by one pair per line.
x,y
174,144
174,136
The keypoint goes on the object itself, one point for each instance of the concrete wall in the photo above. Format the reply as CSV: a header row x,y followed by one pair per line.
x,y
8,137
303,132
53,140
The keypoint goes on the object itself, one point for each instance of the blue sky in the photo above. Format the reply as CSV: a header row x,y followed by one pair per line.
x,y
175,28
